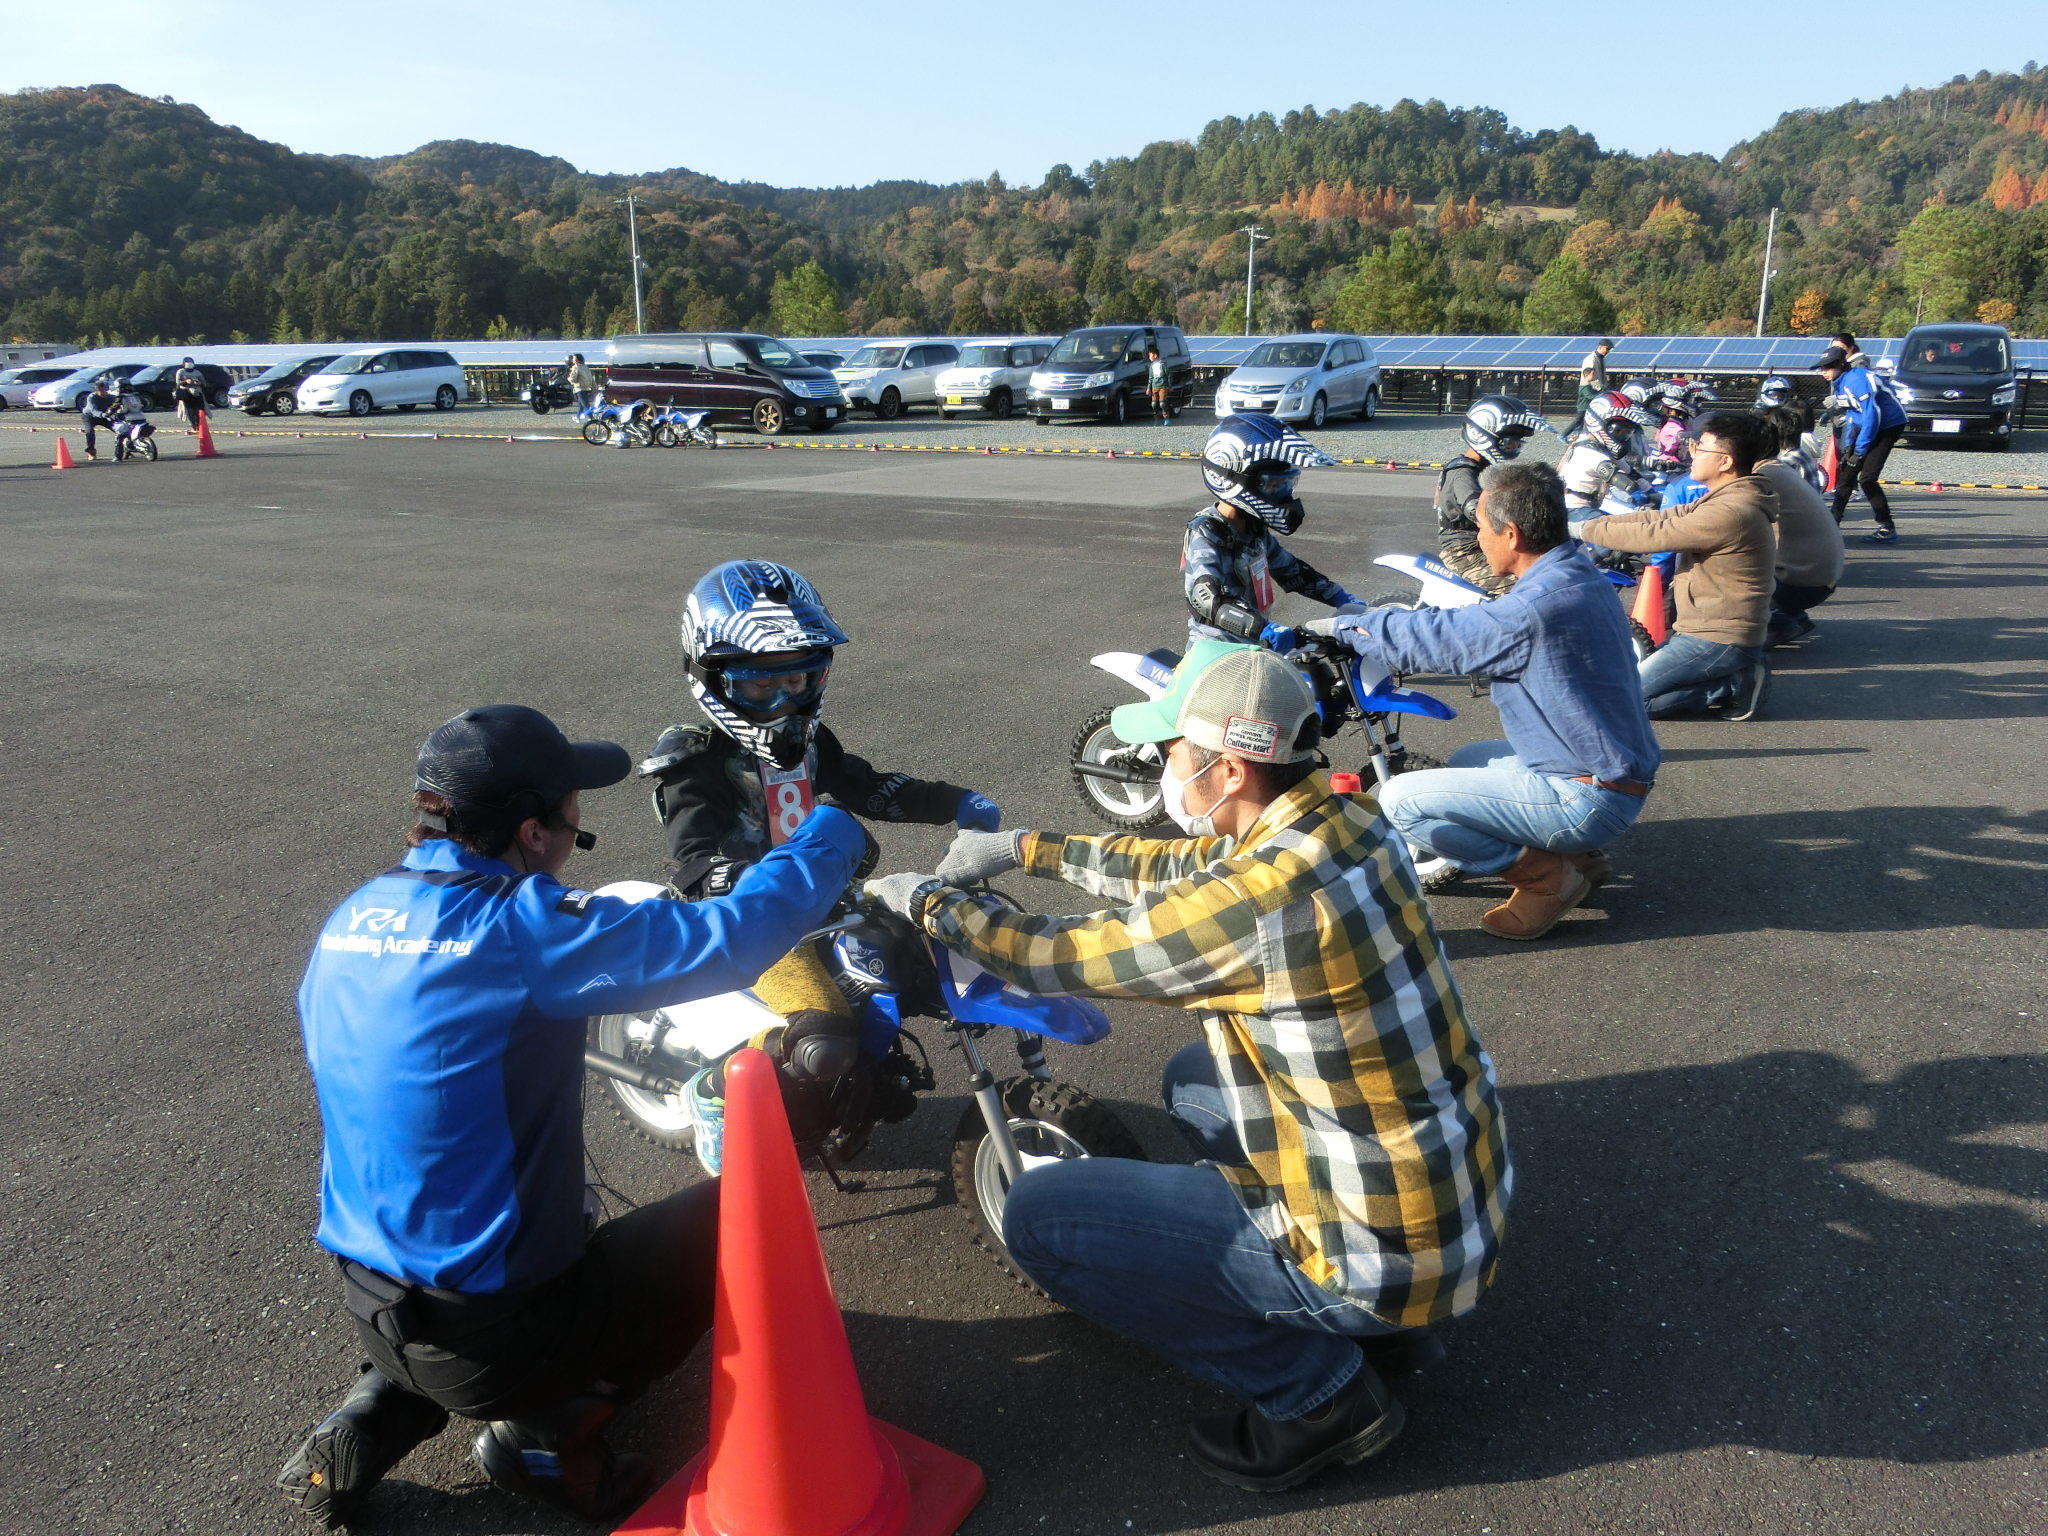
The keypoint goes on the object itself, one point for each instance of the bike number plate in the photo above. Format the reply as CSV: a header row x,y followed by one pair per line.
x,y
787,793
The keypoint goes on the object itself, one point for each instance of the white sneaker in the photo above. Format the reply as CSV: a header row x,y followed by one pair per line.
x,y
707,1121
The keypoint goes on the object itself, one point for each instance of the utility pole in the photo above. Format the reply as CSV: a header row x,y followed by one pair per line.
x,y
630,204
1763,293
1253,235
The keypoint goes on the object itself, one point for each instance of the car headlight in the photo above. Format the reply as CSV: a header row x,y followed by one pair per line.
x,y
1098,380
2005,394
1296,386
1041,381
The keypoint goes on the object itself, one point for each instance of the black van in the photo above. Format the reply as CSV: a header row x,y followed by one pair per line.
x,y
1957,383
739,377
1099,370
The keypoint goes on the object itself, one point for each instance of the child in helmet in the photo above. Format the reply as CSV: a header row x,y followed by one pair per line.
x,y
1604,457
1496,426
1230,560
757,645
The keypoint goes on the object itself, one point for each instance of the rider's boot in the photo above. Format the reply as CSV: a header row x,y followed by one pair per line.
x,y
1403,1353
1248,1450
1594,864
560,1459
1545,887
350,1450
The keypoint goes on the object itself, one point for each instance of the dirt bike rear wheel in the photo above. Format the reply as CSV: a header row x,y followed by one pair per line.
x,y
1133,807
668,435
1051,1121
595,432
661,1118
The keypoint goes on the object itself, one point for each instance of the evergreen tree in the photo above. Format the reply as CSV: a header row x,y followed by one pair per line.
x,y
1565,302
806,302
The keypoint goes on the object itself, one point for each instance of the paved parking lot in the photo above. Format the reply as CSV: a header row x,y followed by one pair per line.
x,y
1777,1260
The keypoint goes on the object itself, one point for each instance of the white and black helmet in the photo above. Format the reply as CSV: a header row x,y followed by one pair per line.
x,y
757,644
1252,462
1776,390
1614,420
1496,426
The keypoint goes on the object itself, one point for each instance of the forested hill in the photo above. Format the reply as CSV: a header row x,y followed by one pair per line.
x,y
128,218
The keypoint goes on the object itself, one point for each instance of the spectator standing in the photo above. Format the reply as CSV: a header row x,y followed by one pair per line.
x,y
1809,564
582,382
188,393
1589,386
1872,427
1597,361
1728,551
1156,383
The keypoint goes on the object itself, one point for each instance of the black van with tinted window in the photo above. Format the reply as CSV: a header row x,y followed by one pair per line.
x,y
1099,370
1957,383
740,377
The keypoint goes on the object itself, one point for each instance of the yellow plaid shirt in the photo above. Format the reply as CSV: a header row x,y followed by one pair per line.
x,y
1363,1100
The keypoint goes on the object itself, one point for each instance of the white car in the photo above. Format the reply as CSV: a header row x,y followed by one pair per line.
x,y
369,380
991,376
17,384
69,392
1307,378
887,377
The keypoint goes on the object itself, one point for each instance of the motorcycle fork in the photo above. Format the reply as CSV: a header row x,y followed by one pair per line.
x,y
1377,754
993,1112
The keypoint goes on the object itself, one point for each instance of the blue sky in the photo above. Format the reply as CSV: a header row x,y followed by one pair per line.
x,y
837,94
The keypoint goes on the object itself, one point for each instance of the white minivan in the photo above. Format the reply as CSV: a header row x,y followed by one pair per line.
x,y
991,376
369,380
17,384
1306,378
886,377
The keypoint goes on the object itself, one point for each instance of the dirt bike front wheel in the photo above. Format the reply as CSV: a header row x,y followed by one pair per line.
x,y
661,1118
1052,1122
1133,807
595,433
667,435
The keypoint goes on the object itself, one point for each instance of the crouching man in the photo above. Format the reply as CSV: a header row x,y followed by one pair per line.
x,y
1356,1175
443,1014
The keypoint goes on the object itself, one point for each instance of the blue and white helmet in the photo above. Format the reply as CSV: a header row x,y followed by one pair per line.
x,y
1252,462
757,644
1776,390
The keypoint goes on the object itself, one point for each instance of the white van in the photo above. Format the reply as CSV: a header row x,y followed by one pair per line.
x,y
17,384
1307,378
887,377
991,375
369,380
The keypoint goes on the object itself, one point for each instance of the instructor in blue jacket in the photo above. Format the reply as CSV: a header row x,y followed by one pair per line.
x,y
1874,424
443,1013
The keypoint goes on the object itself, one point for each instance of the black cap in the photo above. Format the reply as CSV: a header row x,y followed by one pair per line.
x,y
1835,358
506,759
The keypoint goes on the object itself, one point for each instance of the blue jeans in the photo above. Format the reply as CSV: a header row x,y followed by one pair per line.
x,y
1166,1256
1687,673
1485,808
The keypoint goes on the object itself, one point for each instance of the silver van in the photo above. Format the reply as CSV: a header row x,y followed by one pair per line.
x,y
1307,378
369,380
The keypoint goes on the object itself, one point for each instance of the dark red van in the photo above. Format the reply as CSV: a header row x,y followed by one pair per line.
x,y
739,377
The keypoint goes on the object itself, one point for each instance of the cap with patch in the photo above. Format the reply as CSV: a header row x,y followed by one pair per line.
x,y
1239,699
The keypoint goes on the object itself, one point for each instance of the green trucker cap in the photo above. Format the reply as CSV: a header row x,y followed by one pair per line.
x,y
1240,699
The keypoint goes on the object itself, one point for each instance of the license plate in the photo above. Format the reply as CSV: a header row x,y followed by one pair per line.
x,y
1061,405
956,399
1948,424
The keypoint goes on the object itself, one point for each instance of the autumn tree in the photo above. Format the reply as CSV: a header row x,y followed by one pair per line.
x,y
1809,311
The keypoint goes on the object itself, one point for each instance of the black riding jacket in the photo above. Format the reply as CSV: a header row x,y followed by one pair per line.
x,y
1457,501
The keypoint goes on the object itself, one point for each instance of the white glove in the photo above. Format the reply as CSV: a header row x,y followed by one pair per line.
x,y
978,856
1322,629
899,893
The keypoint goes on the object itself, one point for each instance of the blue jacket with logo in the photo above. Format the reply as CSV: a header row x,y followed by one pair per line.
x,y
443,1013
1872,407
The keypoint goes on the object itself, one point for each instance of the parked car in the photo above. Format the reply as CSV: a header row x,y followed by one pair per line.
x,y
1307,378
826,360
888,377
1099,370
740,377
369,380
1957,383
276,389
17,384
69,392
991,376
153,385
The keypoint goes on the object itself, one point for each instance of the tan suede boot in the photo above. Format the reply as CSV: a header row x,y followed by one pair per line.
x,y
1594,864
1546,886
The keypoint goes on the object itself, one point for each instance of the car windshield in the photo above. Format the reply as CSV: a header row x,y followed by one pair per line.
x,y
1982,355
1090,347
984,357
1287,354
285,370
876,357
355,362
774,353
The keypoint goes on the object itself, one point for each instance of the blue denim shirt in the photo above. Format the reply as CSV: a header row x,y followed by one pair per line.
x,y
1556,647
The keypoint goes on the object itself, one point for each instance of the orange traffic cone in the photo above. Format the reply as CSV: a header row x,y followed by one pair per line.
x,y
63,459
1649,610
206,448
793,1451
1831,461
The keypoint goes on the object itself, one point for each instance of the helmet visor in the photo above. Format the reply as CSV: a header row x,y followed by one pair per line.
x,y
1273,482
772,692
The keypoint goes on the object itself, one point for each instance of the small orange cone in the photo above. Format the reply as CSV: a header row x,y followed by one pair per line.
x,y
206,448
63,459
1390,463
793,1451
1935,488
1649,609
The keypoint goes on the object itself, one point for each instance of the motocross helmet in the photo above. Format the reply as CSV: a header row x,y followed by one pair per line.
x,y
1615,420
1252,463
757,645
1774,391
1496,426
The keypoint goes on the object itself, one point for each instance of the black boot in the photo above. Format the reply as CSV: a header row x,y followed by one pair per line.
x,y
1248,1450
560,1459
350,1450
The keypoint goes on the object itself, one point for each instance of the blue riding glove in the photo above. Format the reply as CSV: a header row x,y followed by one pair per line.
x,y
978,813
1278,637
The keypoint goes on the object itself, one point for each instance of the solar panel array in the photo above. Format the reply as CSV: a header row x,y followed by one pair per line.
x,y
1486,354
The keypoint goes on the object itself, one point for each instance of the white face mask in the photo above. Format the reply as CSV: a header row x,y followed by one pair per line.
x,y
1173,791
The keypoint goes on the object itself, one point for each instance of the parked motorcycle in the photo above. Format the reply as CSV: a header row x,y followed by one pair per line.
x,y
891,973
551,393
675,427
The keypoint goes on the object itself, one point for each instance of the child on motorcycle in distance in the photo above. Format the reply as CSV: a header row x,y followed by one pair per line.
x,y
757,645
1230,561
1496,427
1605,456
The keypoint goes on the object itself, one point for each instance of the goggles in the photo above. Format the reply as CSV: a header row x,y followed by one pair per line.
x,y
769,693
1275,485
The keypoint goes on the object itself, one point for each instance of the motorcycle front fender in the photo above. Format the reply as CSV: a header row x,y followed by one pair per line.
x,y
1149,673
1441,586
707,1027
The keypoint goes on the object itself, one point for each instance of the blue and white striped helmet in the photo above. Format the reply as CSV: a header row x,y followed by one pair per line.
x,y
744,610
1252,461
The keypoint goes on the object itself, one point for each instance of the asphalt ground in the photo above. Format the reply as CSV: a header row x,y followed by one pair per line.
x,y
1776,1098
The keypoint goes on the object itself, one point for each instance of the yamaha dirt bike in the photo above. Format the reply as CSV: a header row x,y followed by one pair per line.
x,y
134,438
599,420
1438,586
1119,780
551,393
675,427
891,973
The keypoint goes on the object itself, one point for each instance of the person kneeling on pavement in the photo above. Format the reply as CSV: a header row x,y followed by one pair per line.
x,y
1355,1174
1714,658
1810,557
444,1020
1540,808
